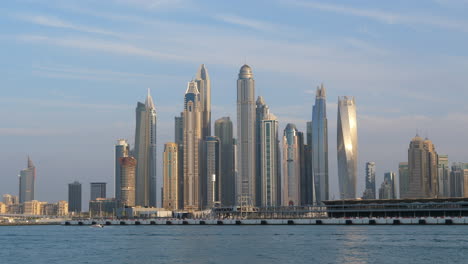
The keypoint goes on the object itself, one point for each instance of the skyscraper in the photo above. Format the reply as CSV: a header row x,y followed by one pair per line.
x,y
204,88
308,187
98,190
369,192
224,131
127,180
74,197
422,164
171,192
347,148
179,140
27,183
145,153
192,144
319,147
214,177
261,110
403,173
246,159
270,162
443,176
122,149
390,179
291,166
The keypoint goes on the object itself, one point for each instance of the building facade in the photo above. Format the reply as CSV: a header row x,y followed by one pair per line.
x,y
319,147
422,166
214,177
27,183
74,197
443,175
270,162
145,153
347,147
127,177
369,192
122,149
246,158
192,148
292,167
98,190
172,183
224,131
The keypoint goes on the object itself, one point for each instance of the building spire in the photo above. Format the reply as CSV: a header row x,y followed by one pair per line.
x,y
30,163
202,73
149,100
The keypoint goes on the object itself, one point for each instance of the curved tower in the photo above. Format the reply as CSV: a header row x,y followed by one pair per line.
x,y
245,182
319,147
347,148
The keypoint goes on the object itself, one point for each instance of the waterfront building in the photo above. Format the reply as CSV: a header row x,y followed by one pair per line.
x,y
270,162
457,180
27,183
54,209
9,199
347,148
246,158
145,153
403,175
319,147
127,180
172,182
422,164
261,110
98,190
308,187
122,149
369,192
103,207
443,175
214,177
74,197
179,140
204,88
3,208
32,207
224,131
192,148
292,170
390,179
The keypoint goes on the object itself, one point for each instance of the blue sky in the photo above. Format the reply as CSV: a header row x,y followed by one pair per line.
x,y
72,71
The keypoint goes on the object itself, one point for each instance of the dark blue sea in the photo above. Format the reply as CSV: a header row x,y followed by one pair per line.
x,y
233,244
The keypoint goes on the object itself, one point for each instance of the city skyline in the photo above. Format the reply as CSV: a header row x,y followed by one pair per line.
x,y
391,93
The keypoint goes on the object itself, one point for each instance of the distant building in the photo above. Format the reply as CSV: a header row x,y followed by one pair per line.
x,y
422,163
172,183
292,166
98,190
127,180
308,188
347,147
55,209
270,162
32,207
261,110
403,174
443,176
369,192
27,183
457,176
224,131
103,207
9,199
74,197
319,147
3,208
214,178
179,140
122,149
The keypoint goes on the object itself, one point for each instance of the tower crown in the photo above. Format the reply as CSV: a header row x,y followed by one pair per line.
x,y
245,72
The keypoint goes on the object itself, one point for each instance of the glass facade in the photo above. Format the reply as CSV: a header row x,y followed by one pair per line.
x,y
319,148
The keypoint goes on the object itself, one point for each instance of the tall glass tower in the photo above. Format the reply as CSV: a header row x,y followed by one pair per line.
x,y
319,145
122,149
223,130
369,192
270,162
261,111
27,183
291,166
347,148
246,159
145,153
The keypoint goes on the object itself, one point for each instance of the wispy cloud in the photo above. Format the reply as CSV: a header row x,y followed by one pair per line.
x,y
154,4
65,104
387,17
55,22
245,22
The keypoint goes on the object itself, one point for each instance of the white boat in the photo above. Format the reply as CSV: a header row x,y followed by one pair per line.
x,y
98,226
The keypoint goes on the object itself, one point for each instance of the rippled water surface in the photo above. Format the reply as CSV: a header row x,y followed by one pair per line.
x,y
234,244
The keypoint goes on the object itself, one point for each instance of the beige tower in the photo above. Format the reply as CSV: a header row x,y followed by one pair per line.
x,y
422,166
127,180
291,166
171,199
192,148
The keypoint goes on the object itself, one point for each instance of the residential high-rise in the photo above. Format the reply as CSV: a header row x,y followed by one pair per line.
x,y
347,147
27,183
171,192
457,179
422,164
224,131
74,197
145,153
246,159
369,192
122,149
192,148
270,162
443,176
291,166
403,172
261,110
127,180
9,199
214,177
390,179
179,140
308,187
204,88
319,147
98,190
